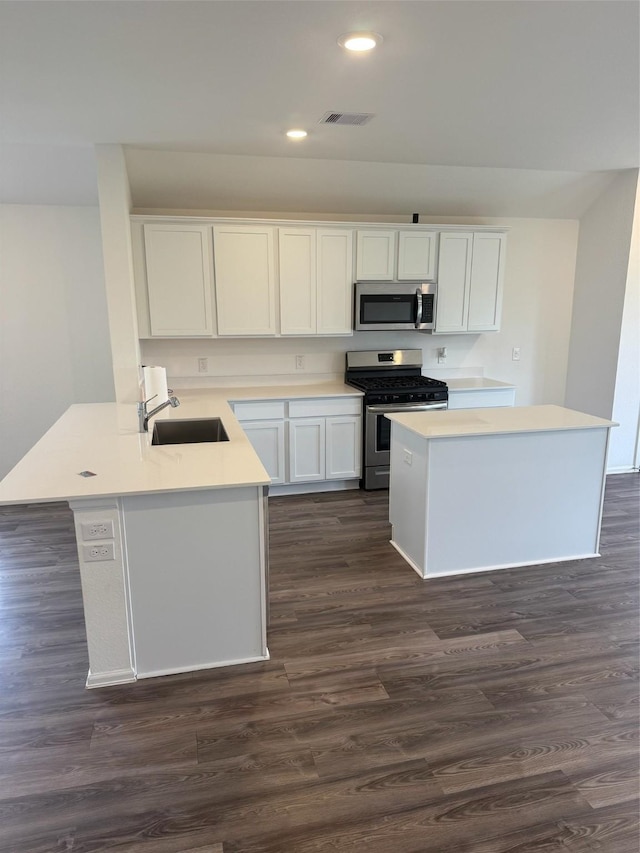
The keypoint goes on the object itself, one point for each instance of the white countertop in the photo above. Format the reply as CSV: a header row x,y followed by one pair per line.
x,y
458,422
104,438
476,383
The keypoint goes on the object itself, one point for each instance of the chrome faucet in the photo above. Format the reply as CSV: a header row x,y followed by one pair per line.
x,y
144,416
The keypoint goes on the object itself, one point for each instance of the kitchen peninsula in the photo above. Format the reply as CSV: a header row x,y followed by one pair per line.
x,y
172,539
485,489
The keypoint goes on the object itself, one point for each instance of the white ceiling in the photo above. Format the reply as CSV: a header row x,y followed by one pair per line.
x,y
517,85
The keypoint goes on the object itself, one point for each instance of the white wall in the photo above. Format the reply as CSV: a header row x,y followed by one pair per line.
x,y
115,207
601,279
54,340
624,450
536,317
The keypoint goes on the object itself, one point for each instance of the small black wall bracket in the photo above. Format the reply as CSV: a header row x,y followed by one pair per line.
x,y
416,218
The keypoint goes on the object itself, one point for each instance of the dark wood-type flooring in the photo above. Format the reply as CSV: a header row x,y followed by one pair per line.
x,y
480,714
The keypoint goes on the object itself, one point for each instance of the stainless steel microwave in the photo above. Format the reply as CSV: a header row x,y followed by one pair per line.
x,y
394,305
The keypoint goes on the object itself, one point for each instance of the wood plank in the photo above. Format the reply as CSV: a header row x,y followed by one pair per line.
x,y
488,713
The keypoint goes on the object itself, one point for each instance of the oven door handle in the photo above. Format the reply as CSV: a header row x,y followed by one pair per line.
x,y
418,307
387,410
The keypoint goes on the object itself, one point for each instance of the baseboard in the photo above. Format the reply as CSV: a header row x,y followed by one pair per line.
x,y
180,669
497,568
107,679
310,488
623,469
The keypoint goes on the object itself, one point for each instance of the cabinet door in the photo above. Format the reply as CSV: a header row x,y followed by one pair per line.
x,y
344,437
454,276
245,279
417,255
487,274
297,256
179,280
306,450
335,281
267,439
375,255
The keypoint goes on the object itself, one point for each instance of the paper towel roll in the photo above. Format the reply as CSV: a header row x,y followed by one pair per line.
x,y
155,384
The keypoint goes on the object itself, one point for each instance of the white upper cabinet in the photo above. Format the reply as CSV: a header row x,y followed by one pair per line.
x,y
179,279
297,257
487,277
210,278
394,255
376,255
470,281
334,255
417,255
454,275
316,271
245,279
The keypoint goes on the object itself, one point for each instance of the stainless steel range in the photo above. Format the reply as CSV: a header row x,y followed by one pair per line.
x,y
392,381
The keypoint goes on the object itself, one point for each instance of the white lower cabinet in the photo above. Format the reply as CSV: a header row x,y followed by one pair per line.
x,y
343,447
307,452
267,439
305,440
263,422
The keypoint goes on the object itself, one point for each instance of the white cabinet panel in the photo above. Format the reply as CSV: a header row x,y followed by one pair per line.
x,y
245,279
267,439
487,273
334,281
179,279
454,276
343,436
376,255
297,256
417,255
307,450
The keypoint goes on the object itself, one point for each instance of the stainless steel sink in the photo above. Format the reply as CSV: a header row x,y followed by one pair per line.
x,y
189,431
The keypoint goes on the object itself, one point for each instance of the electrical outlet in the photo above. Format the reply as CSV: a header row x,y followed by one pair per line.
x,y
97,530
515,354
299,362
203,365
408,457
442,355
99,552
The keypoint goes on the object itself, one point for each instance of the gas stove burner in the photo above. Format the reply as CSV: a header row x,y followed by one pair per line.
x,y
396,383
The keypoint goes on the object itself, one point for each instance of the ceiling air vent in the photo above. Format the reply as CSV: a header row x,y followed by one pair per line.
x,y
346,118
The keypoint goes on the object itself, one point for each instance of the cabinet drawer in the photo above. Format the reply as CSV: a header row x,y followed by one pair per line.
x,y
482,398
321,408
262,410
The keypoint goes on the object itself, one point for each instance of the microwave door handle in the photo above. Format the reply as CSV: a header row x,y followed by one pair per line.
x,y
418,307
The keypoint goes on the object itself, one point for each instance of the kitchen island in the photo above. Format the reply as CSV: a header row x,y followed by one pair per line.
x,y
494,488
171,539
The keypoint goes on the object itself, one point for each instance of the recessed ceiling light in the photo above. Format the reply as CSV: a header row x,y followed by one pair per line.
x,y
296,134
360,41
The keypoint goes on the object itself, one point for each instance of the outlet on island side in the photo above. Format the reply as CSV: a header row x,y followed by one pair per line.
x,y
98,552
97,530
